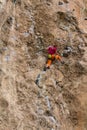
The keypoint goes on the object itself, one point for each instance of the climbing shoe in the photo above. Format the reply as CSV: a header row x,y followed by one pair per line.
x,y
45,68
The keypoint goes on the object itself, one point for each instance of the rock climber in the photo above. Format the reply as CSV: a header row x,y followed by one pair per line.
x,y
52,55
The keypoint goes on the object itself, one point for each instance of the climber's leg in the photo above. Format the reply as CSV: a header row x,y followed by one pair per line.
x,y
51,58
49,62
58,57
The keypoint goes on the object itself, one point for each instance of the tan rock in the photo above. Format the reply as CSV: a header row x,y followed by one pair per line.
x,y
58,101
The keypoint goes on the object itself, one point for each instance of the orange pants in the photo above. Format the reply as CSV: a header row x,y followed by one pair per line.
x,y
53,57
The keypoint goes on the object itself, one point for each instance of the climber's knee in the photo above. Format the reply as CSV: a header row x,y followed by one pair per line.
x,y
58,57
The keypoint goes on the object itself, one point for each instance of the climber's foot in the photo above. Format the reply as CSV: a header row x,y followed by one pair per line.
x,y
45,68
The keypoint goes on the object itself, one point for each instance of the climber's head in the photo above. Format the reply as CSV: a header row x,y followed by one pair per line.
x,y
55,45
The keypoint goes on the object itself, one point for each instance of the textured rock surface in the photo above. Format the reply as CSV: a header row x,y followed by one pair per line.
x,y
59,101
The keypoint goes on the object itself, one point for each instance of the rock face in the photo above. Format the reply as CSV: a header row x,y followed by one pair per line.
x,y
59,100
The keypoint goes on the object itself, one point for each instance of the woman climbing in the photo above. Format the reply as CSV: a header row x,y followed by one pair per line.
x,y
52,55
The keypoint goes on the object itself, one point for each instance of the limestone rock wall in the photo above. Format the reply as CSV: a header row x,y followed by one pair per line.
x,y
58,101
